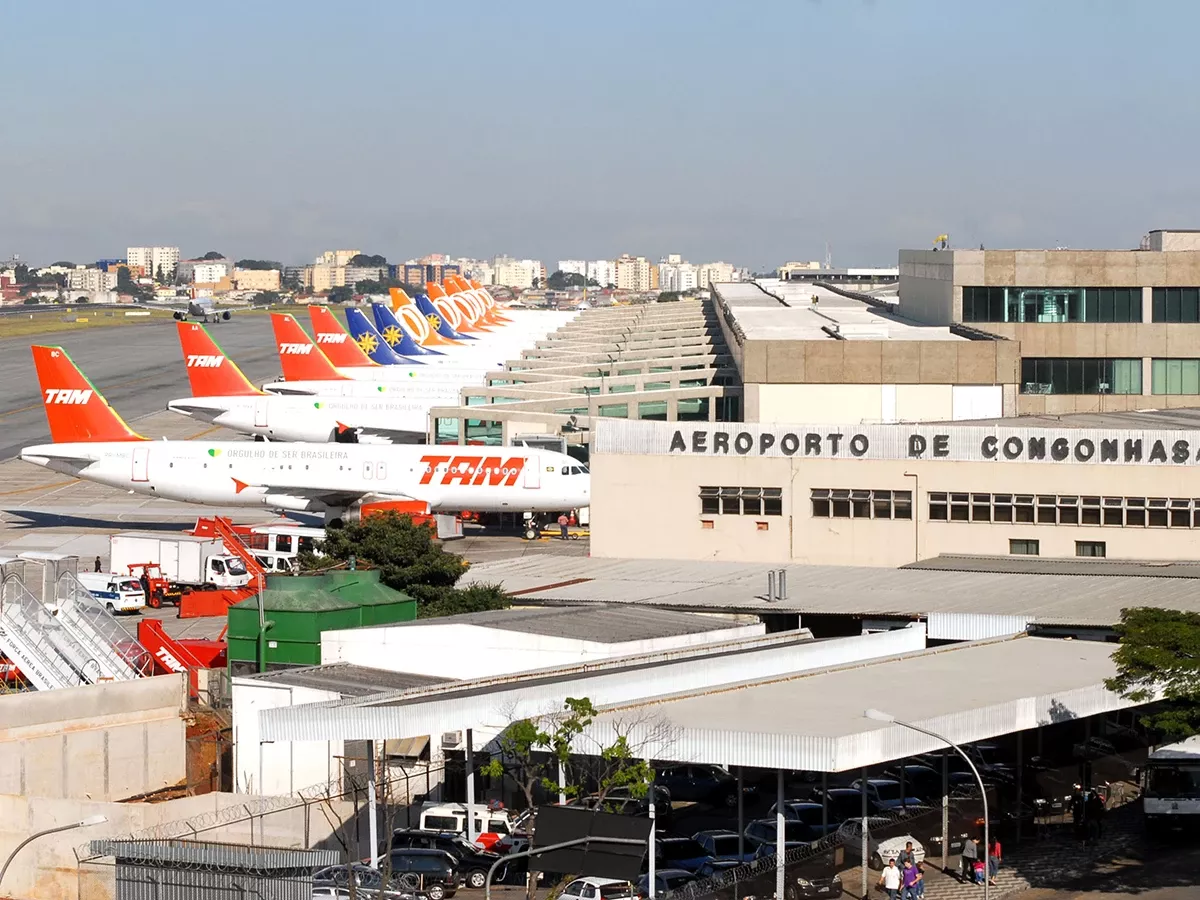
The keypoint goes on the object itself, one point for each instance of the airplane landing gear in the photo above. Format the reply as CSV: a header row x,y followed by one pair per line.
x,y
533,528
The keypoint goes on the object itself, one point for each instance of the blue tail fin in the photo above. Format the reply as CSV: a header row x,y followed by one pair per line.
x,y
444,328
371,341
397,335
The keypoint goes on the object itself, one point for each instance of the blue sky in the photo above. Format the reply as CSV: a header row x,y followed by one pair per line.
x,y
747,131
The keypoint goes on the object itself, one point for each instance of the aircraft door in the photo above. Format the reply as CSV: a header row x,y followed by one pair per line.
x,y
533,472
141,462
260,412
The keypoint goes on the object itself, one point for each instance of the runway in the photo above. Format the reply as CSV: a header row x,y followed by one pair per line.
x,y
138,367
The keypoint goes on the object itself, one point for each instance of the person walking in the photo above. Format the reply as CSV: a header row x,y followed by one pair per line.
x,y
907,856
890,879
1094,811
970,853
993,861
909,879
563,522
97,564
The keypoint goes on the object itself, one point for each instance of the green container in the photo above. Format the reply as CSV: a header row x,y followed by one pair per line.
x,y
303,606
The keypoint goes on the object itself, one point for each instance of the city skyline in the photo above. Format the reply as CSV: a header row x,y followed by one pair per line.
x,y
554,133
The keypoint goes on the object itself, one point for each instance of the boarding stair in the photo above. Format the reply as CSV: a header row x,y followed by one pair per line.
x,y
30,636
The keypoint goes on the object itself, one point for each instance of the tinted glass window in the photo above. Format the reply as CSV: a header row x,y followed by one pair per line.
x,y
441,823
724,846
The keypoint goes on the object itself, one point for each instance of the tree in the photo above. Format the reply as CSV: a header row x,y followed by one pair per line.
x,y
265,298
211,255
340,294
365,259
31,301
409,559
370,287
264,265
1159,655
668,297
63,264
21,273
125,283
160,276
291,281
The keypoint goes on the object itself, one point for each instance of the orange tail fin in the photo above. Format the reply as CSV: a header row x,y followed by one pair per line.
x,y
335,342
77,412
302,360
210,372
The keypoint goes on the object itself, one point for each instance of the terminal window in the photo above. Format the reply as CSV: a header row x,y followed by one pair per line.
x,y
1080,375
1052,304
1091,548
1065,509
1024,547
1175,304
1175,376
741,501
846,503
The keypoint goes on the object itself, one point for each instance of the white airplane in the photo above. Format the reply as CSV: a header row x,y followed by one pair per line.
x,y
343,412
308,367
90,441
201,308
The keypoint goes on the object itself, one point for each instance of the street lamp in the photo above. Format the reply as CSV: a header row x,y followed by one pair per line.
x,y
881,716
82,823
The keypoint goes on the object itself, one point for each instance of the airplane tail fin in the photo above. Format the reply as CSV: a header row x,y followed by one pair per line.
x,y
397,334
335,341
439,325
210,372
77,412
467,317
371,340
399,297
301,359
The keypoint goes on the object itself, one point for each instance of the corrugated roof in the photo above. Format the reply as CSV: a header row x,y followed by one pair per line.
x,y
348,680
606,624
844,590
1039,565
1138,419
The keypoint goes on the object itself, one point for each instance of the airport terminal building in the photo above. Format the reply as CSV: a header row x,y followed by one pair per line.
x,y
1125,486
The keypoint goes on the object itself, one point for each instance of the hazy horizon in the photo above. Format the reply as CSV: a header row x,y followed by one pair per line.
x,y
749,133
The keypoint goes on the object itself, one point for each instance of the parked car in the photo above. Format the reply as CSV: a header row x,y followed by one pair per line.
x,y
761,832
666,880
597,889
327,892
694,783
620,801
491,825
926,781
810,814
885,794
680,853
722,846
471,862
843,803
333,882
885,839
433,872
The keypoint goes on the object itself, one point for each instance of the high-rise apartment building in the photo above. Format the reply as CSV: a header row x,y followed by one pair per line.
x,y
154,260
517,273
633,273
573,266
712,273
677,274
82,279
603,272
209,272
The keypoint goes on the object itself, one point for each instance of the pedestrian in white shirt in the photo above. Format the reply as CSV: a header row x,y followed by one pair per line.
x,y
889,879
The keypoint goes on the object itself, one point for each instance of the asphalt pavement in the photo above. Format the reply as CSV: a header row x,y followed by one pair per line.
x,y
138,367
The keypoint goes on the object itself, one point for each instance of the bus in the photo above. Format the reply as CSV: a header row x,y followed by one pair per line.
x,y
1170,782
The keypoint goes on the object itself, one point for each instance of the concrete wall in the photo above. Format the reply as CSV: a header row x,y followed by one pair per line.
x,y
871,403
278,768
99,742
48,868
672,483
470,651
927,287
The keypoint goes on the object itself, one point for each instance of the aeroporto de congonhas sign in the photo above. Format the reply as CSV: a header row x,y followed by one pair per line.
x,y
954,443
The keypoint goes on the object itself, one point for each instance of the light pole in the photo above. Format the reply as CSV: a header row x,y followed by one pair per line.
x,y
880,716
82,823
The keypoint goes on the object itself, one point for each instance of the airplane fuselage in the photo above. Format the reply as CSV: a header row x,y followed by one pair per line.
x,y
326,477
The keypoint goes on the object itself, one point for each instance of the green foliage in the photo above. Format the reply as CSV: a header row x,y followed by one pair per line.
x,y
668,297
1159,655
409,559
560,281
125,283
265,298
263,265
340,295
21,273
211,255
62,263
291,281
370,287
31,301
366,259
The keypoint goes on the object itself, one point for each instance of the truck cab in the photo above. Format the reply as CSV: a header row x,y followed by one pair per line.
x,y
116,593
226,572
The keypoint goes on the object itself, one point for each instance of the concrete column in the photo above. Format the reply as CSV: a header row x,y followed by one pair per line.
x,y
780,835
652,850
863,789
741,815
824,803
472,834
1147,376
945,810
1020,778
372,805
1147,304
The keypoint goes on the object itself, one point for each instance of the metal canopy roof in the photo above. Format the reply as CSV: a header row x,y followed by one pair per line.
x,y
1091,600
490,702
345,679
814,721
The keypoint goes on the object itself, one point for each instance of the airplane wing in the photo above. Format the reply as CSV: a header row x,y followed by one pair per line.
x,y
328,496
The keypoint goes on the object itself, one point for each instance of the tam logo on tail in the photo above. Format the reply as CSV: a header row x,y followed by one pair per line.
x,y
325,337
296,349
204,362
72,396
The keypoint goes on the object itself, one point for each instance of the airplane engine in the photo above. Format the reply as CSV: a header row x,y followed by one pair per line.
x,y
374,504
227,315
179,316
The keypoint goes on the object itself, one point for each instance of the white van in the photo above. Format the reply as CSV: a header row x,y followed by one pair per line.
x,y
491,825
116,593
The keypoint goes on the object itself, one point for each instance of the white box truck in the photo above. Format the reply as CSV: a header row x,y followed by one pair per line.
x,y
186,560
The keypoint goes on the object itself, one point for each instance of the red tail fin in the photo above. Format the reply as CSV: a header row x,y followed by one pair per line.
x,y
210,372
335,341
77,412
302,360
